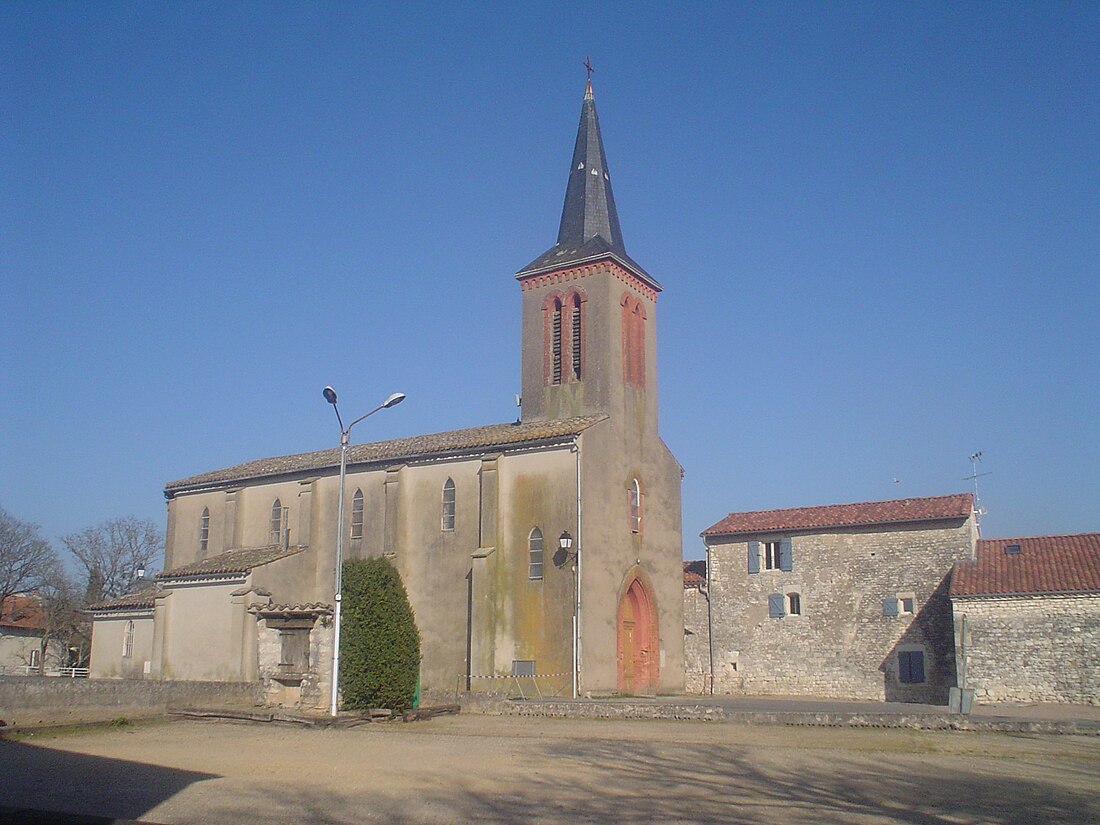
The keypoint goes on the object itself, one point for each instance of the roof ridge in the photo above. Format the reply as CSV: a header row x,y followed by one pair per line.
x,y
845,504
1043,536
408,447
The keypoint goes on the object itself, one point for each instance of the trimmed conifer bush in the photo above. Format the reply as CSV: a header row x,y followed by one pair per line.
x,y
379,644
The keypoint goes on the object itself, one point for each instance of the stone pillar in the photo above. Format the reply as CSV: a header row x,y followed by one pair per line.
x,y
390,531
305,510
232,531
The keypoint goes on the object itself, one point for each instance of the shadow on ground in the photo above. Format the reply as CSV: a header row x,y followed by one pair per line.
x,y
33,777
639,782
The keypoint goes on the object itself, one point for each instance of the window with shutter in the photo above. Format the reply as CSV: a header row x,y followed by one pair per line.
x,y
786,557
911,667
794,604
776,607
754,557
889,607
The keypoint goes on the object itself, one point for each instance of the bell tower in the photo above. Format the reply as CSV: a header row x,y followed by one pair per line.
x,y
589,311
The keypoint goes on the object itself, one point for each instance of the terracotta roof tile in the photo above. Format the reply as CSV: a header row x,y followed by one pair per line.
x,y
241,560
695,573
397,449
897,511
21,611
139,600
290,609
1045,564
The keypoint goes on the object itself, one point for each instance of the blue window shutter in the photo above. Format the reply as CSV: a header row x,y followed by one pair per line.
x,y
775,606
754,557
786,559
905,674
889,607
916,667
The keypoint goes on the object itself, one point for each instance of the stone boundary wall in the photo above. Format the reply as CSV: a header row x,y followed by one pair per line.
x,y
44,700
852,719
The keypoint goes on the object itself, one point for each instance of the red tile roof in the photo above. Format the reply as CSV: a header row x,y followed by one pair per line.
x,y
898,511
23,612
239,560
695,573
144,599
1045,564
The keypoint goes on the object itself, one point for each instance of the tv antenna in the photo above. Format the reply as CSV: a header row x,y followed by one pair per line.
x,y
979,511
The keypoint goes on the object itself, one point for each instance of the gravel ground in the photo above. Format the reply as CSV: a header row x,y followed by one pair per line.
x,y
523,770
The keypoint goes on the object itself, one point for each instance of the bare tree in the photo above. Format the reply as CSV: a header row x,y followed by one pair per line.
x,y
25,557
111,553
64,624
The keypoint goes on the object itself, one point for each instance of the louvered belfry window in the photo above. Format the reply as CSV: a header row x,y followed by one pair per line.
x,y
555,344
575,336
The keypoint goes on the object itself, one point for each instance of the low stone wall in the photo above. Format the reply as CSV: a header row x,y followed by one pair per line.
x,y
851,719
42,700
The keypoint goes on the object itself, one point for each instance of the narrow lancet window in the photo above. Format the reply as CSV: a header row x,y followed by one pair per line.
x,y
357,515
449,505
534,550
204,530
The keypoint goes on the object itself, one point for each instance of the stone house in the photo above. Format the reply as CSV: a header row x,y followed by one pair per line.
x,y
844,600
473,519
22,627
1027,619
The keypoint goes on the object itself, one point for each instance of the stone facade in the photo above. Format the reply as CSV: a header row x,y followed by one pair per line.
x,y
1030,648
873,615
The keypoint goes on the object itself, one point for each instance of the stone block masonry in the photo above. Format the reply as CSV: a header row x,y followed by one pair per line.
x,y
1030,649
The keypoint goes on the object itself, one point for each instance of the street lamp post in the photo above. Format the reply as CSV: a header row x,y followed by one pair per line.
x,y
565,544
345,441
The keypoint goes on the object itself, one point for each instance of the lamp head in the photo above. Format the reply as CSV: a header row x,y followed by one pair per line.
x,y
330,395
392,401
140,572
565,541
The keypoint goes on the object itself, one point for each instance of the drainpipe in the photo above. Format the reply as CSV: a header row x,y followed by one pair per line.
x,y
577,580
710,623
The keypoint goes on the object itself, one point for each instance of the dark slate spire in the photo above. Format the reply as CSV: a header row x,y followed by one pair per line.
x,y
589,203
589,228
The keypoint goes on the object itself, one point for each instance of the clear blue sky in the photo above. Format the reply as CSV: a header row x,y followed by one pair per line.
x,y
878,227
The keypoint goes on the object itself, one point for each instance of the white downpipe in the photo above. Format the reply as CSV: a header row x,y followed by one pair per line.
x,y
577,584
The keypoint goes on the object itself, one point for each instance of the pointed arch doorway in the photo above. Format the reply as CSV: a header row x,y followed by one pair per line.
x,y
638,643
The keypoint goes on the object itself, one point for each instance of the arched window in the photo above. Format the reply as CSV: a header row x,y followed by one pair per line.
x,y
534,549
635,501
576,336
204,530
357,515
128,641
278,526
449,505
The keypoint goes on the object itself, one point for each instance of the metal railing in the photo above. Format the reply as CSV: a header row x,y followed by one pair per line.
x,y
32,670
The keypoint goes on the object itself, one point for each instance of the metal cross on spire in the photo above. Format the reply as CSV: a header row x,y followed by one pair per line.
x,y
588,66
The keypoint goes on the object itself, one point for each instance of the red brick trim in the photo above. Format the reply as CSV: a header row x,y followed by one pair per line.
x,y
633,340
562,276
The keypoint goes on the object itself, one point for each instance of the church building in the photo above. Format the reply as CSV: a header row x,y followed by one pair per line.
x,y
549,546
